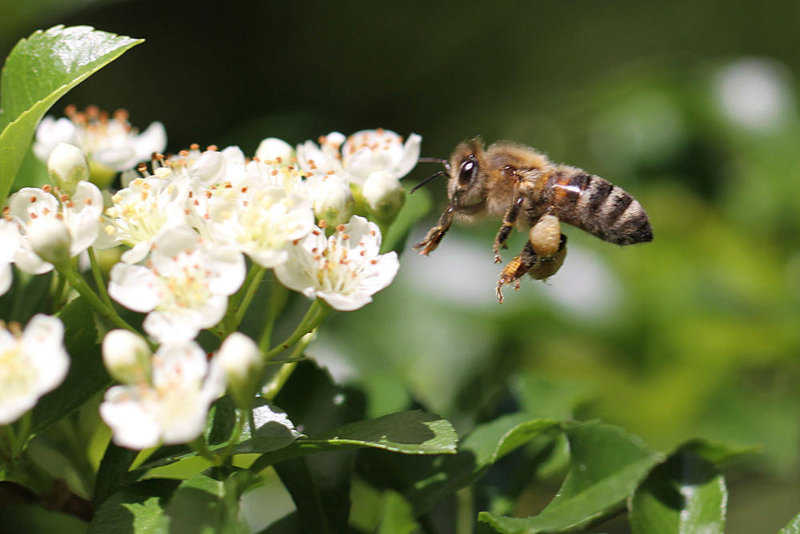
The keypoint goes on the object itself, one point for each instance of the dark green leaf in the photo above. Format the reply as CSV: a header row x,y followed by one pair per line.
x,y
223,420
320,488
793,527
606,466
113,469
87,374
39,71
413,432
271,433
685,494
32,519
135,509
425,481
718,452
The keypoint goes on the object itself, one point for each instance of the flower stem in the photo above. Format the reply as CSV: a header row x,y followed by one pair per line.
x,y
253,280
98,277
101,308
275,385
314,316
278,295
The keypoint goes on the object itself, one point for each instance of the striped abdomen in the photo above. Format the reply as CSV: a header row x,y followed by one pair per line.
x,y
597,206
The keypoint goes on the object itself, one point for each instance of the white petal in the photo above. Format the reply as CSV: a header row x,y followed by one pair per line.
x,y
132,426
410,156
6,277
134,286
153,139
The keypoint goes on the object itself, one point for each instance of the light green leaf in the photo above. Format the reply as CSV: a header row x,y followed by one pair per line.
x,y
686,494
39,71
136,508
606,466
793,527
201,505
397,516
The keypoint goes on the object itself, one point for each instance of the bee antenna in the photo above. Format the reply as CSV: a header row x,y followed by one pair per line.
x,y
436,160
428,179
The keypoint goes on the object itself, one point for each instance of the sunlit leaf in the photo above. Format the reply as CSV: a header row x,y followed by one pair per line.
x,y
39,71
793,527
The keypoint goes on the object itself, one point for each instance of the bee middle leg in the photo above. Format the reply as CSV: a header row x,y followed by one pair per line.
x,y
528,261
509,220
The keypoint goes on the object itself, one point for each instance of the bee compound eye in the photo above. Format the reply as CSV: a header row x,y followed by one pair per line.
x,y
468,171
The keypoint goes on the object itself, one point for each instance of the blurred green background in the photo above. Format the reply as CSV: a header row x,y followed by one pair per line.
x,y
690,106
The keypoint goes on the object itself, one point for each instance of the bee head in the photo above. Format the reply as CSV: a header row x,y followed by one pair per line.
x,y
467,174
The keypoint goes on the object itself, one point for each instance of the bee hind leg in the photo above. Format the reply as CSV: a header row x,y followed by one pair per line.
x,y
538,267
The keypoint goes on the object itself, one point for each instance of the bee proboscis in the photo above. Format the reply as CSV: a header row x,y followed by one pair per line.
x,y
521,186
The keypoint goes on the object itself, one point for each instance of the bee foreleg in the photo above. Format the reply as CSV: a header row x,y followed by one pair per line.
x,y
435,234
509,220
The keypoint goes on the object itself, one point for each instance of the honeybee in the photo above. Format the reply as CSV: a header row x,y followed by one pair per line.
x,y
525,189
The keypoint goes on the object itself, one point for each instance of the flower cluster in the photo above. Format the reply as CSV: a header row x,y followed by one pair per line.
x,y
188,225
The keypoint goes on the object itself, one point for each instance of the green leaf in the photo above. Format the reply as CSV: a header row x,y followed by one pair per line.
x,y
793,527
320,488
134,509
412,432
39,71
270,435
606,466
204,505
685,494
32,519
397,516
426,481
87,374
112,472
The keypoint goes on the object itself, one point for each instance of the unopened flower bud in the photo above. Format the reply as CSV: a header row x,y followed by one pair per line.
x,y
67,166
384,195
240,360
331,198
127,357
273,149
50,240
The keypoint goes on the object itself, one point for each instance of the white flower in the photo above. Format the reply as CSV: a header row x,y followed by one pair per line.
x,y
31,364
9,243
260,218
345,269
139,212
361,154
67,166
184,287
171,407
371,151
331,197
79,213
110,142
324,158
